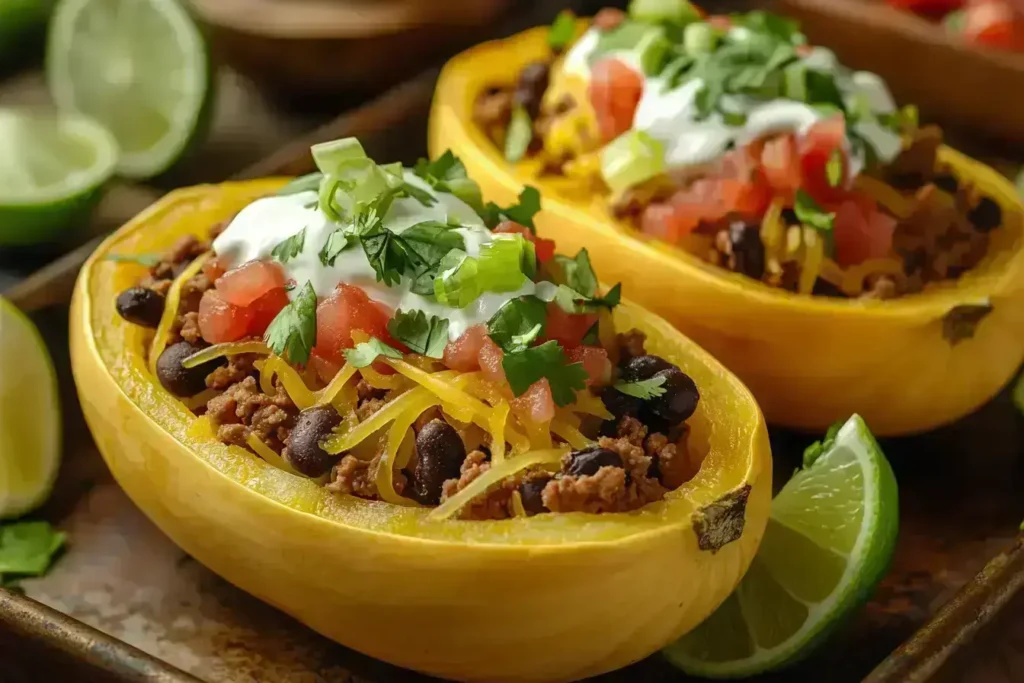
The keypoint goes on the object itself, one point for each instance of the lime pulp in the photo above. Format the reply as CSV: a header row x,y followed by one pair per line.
x,y
139,67
30,424
828,543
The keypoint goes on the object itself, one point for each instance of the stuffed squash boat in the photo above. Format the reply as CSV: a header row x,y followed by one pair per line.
x,y
397,414
818,240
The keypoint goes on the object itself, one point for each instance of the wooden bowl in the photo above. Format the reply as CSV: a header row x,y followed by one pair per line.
x,y
324,47
981,91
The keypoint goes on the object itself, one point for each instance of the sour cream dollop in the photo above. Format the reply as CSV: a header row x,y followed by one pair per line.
x,y
262,225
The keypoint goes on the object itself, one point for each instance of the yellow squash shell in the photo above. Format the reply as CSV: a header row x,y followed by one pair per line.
x,y
547,598
905,365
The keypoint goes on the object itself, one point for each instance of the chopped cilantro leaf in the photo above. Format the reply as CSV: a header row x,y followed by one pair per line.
x,y
592,337
289,248
148,260
419,194
366,352
306,183
562,30
27,548
529,365
777,26
448,174
822,89
518,323
518,135
571,301
386,255
521,212
809,213
577,273
336,242
422,333
645,388
292,334
625,36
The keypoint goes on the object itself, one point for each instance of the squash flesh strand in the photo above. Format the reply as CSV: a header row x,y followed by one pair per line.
x,y
497,431
226,349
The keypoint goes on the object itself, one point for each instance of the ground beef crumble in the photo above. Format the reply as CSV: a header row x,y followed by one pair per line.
x,y
243,409
238,368
496,503
359,477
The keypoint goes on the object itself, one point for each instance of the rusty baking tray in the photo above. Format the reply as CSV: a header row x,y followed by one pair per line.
x,y
124,604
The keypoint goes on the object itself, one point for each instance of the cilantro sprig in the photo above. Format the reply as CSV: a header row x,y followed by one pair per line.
x,y
645,389
518,323
290,247
526,366
292,334
422,333
27,549
522,212
448,174
365,353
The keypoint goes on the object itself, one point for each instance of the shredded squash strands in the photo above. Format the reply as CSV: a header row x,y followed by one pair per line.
x,y
171,301
293,383
337,383
377,380
227,349
269,454
588,404
399,433
509,467
771,226
517,504
497,431
200,399
338,443
201,428
571,435
814,253
886,195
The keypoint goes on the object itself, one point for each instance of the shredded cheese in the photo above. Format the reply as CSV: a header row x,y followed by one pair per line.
x,y
497,431
496,474
341,442
171,302
200,399
227,349
589,404
337,383
539,434
569,434
293,383
378,380
419,401
814,253
269,454
886,195
517,504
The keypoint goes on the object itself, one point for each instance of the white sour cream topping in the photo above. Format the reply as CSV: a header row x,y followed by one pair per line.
x,y
267,222
671,116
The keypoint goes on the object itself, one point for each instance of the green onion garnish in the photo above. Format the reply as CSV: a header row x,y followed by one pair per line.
x,y
675,11
457,283
500,267
631,159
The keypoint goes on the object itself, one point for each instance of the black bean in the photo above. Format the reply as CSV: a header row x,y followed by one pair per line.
x,y
140,306
678,402
589,460
529,92
531,492
910,180
946,182
179,380
643,367
620,404
439,455
986,215
747,249
304,452
789,217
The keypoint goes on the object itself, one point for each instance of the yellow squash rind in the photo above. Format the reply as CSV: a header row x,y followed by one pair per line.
x,y
546,598
810,361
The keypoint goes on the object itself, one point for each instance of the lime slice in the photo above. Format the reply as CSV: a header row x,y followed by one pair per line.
x,y
52,172
139,67
30,425
829,542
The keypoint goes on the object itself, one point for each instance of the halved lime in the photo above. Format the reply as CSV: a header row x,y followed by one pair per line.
x,y
30,425
139,67
52,172
829,542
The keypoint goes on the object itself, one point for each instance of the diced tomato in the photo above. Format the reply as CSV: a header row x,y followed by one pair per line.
x,y
250,281
348,308
747,198
615,91
928,8
536,403
544,248
568,329
220,321
463,354
720,21
213,269
664,221
324,369
595,362
265,309
781,164
993,23
489,358
861,231
824,140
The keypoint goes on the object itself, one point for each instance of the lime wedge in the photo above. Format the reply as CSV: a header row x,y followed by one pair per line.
x,y
52,172
829,542
30,425
139,67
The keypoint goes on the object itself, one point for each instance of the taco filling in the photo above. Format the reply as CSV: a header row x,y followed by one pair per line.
x,y
732,138
382,330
